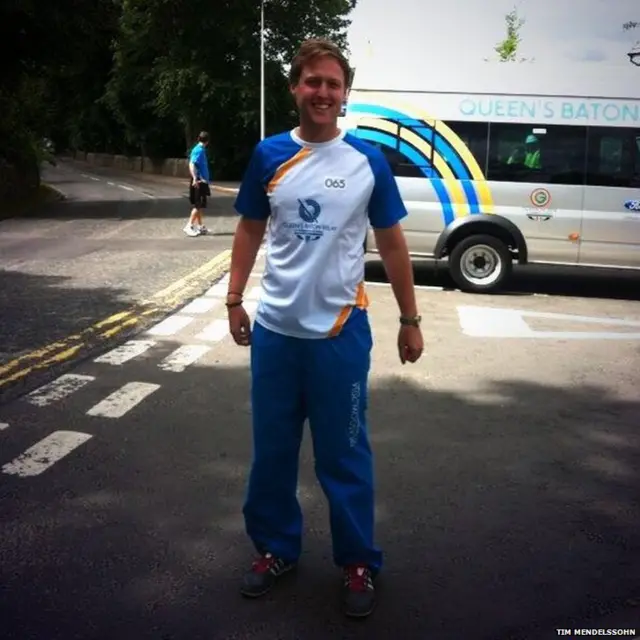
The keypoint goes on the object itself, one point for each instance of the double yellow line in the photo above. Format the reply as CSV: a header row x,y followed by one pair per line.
x,y
161,302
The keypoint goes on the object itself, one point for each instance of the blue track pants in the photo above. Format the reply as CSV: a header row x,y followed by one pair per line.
x,y
324,380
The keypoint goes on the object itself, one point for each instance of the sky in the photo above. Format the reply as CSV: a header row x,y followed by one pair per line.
x,y
555,30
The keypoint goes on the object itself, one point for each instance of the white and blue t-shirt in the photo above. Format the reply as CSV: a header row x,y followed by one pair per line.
x,y
320,199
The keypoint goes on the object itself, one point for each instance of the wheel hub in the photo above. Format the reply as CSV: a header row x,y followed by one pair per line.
x,y
481,264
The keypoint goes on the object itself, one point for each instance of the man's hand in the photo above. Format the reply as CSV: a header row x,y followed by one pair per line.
x,y
410,343
240,326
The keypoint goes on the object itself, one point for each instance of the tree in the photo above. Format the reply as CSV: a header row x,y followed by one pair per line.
x,y
635,50
204,72
143,76
52,46
507,49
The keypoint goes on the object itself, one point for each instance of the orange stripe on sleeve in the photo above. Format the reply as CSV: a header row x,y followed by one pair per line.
x,y
285,167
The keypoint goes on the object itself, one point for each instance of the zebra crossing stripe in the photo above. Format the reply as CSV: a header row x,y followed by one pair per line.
x,y
59,388
183,356
125,352
45,453
123,400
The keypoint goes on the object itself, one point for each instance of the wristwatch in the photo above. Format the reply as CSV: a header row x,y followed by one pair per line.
x,y
413,321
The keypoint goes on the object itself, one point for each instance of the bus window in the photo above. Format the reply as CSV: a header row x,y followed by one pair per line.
x,y
554,154
474,136
416,150
614,157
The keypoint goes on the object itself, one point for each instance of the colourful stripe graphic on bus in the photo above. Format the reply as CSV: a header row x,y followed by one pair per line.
x,y
437,151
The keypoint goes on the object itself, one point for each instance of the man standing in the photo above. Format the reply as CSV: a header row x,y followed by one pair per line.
x,y
318,188
199,185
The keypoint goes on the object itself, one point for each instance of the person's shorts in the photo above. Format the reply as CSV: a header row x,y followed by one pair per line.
x,y
198,194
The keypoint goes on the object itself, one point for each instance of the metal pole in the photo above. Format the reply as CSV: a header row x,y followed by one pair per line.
x,y
262,88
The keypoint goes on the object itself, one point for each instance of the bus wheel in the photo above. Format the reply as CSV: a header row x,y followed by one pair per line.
x,y
480,264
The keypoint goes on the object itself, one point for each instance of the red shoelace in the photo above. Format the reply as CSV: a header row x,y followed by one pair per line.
x,y
263,563
357,578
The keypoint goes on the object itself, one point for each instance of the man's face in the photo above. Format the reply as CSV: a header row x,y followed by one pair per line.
x,y
320,91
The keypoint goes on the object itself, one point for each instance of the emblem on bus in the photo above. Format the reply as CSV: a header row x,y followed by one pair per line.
x,y
540,197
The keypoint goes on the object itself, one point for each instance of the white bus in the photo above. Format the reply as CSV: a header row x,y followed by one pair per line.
x,y
507,162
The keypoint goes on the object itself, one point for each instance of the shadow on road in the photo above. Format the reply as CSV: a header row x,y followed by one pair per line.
x,y
43,312
39,308
501,514
561,281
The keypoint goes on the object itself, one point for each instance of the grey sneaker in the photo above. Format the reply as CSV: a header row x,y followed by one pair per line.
x,y
263,574
358,592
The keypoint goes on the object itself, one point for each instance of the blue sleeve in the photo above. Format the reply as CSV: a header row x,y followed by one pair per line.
x,y
386,207
252,201
194,155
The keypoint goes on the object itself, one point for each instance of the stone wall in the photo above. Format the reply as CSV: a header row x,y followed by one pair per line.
x,y
177,167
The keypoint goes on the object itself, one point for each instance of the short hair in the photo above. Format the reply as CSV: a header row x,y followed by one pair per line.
x,y
203,136
315,48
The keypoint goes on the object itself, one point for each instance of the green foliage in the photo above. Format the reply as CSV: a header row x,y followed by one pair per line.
x,y
144,76
507,50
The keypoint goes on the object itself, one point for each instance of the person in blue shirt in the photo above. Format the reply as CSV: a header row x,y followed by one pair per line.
x,y
317,189
198,186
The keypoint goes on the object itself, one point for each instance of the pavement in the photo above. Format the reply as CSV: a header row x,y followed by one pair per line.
x,y
113,243
507,471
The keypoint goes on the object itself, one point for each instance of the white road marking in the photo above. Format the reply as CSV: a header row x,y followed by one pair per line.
x,y
147,195
124,399
94,178
170,325
57,389
224,189
225,278
419,287
218,289
125,352
484,321
215,331
183,356
123,186
84,175
117,230
4,425
45,453
111,184
201,305
487,322
617,322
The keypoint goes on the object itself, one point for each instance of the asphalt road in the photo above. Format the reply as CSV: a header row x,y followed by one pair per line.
x,y
507,473
113,242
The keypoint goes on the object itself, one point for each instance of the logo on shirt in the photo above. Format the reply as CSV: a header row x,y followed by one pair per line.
x,y
309,230
309,210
